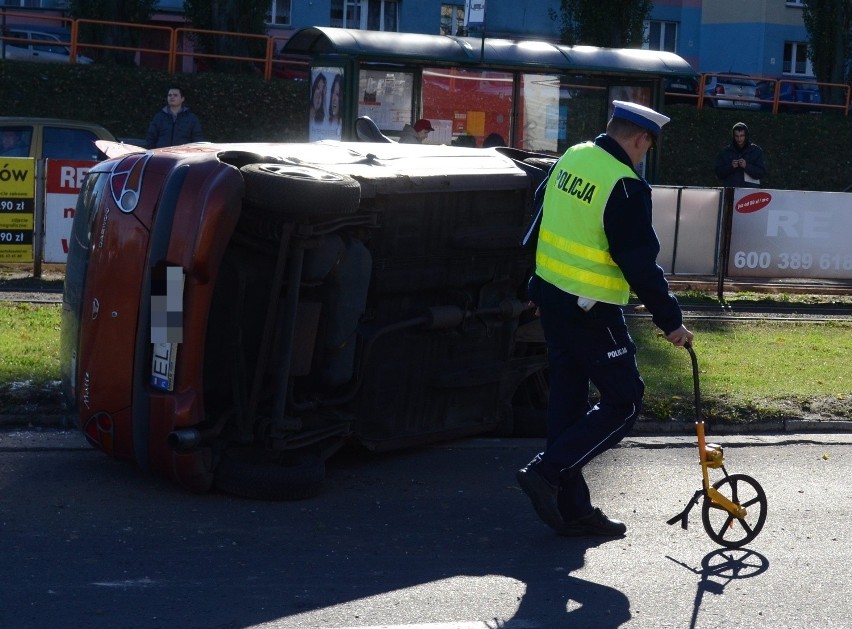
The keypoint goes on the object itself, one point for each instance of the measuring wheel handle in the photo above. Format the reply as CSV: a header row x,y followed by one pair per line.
x,y
734,508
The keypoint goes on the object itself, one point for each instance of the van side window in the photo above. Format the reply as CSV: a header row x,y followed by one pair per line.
x,y
61,143
15,141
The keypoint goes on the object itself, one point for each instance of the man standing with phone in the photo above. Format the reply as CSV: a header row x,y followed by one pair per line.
x,y
741,164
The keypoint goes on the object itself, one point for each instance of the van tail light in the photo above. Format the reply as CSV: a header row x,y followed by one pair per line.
x,y
126,181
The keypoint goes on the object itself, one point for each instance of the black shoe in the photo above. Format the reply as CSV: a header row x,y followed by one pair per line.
x,y
542,494
593,525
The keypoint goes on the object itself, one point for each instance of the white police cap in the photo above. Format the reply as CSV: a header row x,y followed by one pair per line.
x,y
645,117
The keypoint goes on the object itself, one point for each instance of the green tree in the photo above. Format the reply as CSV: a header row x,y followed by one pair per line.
x,y
231,16
829,26
127,11
610,23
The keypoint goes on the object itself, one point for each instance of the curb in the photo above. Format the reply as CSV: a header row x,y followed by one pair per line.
x,y
650,427
646,427
36,420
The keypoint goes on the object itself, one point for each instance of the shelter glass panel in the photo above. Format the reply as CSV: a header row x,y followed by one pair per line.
x,y
555,112
466,106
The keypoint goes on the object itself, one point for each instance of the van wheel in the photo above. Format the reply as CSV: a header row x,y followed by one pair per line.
x,y
250,473
300,190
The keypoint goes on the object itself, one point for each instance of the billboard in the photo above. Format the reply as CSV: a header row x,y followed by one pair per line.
x,y
325,109
790,234
63,182
17,209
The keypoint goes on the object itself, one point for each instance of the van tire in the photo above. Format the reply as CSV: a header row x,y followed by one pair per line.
x,y
299,191
249,473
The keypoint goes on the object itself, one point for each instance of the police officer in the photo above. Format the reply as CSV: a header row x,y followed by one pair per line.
x,y
595,243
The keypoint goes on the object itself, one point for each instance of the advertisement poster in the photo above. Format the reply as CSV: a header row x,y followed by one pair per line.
x,y
64,179
326,105
386,97
790,234
17,208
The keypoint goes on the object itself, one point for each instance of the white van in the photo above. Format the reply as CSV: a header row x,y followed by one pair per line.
x,y
45,44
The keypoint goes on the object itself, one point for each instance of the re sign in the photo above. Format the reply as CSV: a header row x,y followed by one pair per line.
x,y
753,202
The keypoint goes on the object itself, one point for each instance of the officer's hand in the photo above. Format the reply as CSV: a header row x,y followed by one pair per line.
x,y
679,337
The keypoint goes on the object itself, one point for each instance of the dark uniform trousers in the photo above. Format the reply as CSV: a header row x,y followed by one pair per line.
x,y
584,347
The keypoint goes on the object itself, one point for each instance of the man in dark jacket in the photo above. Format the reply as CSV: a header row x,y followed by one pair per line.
x,y
596,242
741,163
174,124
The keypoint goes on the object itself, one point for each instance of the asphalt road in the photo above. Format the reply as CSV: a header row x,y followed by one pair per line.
x,y
437,538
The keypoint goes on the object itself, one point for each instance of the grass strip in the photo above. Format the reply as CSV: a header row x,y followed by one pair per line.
x,y
749,371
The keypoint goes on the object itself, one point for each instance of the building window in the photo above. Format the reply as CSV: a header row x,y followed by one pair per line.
x,y
452,19
660,36
279,13
373,15
796,59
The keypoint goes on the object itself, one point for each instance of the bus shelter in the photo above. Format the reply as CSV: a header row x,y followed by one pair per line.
x,y
531,95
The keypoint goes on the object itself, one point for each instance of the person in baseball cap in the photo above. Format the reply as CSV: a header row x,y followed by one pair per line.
x,y
417,133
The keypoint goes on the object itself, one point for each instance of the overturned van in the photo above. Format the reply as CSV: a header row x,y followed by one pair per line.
x,y
234,314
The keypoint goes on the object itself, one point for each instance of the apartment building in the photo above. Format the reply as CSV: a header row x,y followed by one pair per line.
x,y
758,37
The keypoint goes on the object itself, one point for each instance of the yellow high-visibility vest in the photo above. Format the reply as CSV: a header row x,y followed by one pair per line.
x,y
572,251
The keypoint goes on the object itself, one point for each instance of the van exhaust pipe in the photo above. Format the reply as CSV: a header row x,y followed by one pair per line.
x,y
184,439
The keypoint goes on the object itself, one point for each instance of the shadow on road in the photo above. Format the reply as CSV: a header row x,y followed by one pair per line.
x,y
719,568
94,542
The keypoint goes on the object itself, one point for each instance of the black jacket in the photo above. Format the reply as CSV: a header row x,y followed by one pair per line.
x,y
168,130
735,177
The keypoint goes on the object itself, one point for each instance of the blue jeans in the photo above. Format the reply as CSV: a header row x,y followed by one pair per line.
x,y
582,348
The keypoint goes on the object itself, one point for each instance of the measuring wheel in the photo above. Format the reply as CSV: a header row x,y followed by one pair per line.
x,y
726,528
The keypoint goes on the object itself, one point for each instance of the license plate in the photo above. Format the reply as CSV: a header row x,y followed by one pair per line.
x,y
163,359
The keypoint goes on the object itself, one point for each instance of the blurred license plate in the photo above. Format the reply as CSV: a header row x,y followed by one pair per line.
x,y
163,360
679,86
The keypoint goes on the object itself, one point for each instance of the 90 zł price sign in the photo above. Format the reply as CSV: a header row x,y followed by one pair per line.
x,y
17,207
791,234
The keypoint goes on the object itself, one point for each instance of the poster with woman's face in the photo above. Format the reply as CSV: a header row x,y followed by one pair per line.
x,y
326,104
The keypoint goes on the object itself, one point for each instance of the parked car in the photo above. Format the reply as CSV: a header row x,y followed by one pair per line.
x,y
681,89
732,91
234,314
792,97
45,44
51,138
